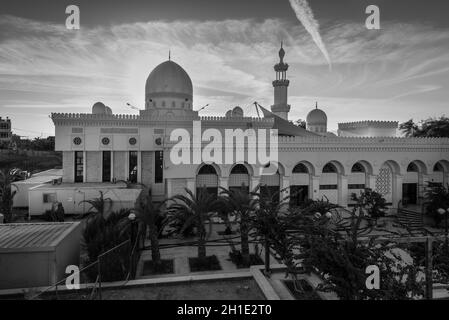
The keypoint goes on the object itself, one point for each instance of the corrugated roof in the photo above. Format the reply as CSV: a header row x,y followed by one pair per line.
x,y
33,235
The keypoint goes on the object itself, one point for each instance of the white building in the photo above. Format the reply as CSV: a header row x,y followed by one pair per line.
x,y
101,148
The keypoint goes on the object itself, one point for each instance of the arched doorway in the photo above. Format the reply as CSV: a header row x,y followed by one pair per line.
x,y
270,183
413,184
300,183
239,178
440,173
330,182
358,179
207,177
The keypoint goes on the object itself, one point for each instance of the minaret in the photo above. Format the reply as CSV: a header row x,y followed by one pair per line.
x,y
280,107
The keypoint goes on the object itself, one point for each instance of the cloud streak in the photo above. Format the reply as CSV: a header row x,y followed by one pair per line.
x,y
305,15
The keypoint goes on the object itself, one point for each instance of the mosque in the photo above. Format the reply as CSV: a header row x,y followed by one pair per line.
x,y
115,153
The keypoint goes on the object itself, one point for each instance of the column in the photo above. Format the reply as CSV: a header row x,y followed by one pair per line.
x,y
254,182
315,187
422,186
343,191
397,189
285,185
223,182
191,185
445,178
371,182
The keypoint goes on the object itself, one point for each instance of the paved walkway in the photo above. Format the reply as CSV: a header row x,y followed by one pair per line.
x,y
180,255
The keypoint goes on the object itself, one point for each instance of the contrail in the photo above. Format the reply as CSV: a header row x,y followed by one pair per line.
x,y
305,15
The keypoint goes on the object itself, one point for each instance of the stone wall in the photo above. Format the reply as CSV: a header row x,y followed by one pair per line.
x,y
68,162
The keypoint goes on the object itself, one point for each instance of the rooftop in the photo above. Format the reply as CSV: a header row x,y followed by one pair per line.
x,y
25,236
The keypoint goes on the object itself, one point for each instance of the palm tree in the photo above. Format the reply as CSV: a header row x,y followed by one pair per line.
x,y
242,204
268,209
7,194
195,210
100,205
151,215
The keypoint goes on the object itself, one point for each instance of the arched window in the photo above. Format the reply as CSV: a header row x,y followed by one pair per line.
x,y
412,167
300,168
357,168
239,169
163,103
207,178
207,169
438,167
173,104
329,168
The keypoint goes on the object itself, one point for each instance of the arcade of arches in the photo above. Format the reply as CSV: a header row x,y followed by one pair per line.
x,y
396,183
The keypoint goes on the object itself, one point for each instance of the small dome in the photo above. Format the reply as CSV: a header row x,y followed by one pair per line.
x,y
316,117
108,110
99,108
169,80
237,112
228,114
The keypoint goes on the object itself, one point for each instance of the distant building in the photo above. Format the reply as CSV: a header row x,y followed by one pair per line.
x,y
5,130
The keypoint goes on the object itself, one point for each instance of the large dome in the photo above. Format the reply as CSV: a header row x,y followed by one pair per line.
x,y
316,117
169,80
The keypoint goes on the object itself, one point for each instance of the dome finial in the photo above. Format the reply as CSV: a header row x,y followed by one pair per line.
x,y
316,105
282,52
169,55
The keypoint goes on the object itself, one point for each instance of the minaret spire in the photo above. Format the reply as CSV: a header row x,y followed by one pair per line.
x,y
280,107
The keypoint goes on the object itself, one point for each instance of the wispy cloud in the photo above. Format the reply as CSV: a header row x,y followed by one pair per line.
x,y
44,67
305,15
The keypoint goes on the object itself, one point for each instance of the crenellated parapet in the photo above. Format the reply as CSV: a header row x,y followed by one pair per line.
x,y
368,123
371,144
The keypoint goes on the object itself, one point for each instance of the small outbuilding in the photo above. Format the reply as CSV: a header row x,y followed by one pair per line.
x,y
37,254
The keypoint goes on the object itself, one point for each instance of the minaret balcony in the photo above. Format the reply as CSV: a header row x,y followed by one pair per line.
x,y
281,83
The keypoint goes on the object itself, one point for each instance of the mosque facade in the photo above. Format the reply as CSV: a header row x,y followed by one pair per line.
x,y
115,153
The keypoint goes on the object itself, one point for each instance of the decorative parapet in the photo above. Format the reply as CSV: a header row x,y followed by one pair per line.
x,y
130,119
237,119
368,123
364,144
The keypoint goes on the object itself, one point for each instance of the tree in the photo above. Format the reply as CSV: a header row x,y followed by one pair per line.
x,y
151,216
301,123
195,210
340,249
437,197
267,221
241,203
7,194
101,234
431,128
371,201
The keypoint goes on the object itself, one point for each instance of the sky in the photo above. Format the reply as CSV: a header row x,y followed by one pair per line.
x,y
229,49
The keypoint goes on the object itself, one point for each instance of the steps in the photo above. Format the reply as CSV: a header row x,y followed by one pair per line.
x,y
410,219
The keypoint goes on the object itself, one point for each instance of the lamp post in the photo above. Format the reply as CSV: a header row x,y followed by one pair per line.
x,y
132,219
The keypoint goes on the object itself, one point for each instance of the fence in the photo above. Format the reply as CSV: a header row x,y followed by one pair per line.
x,y
117,264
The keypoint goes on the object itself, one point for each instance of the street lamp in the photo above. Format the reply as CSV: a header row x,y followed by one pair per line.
x,y
132,219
